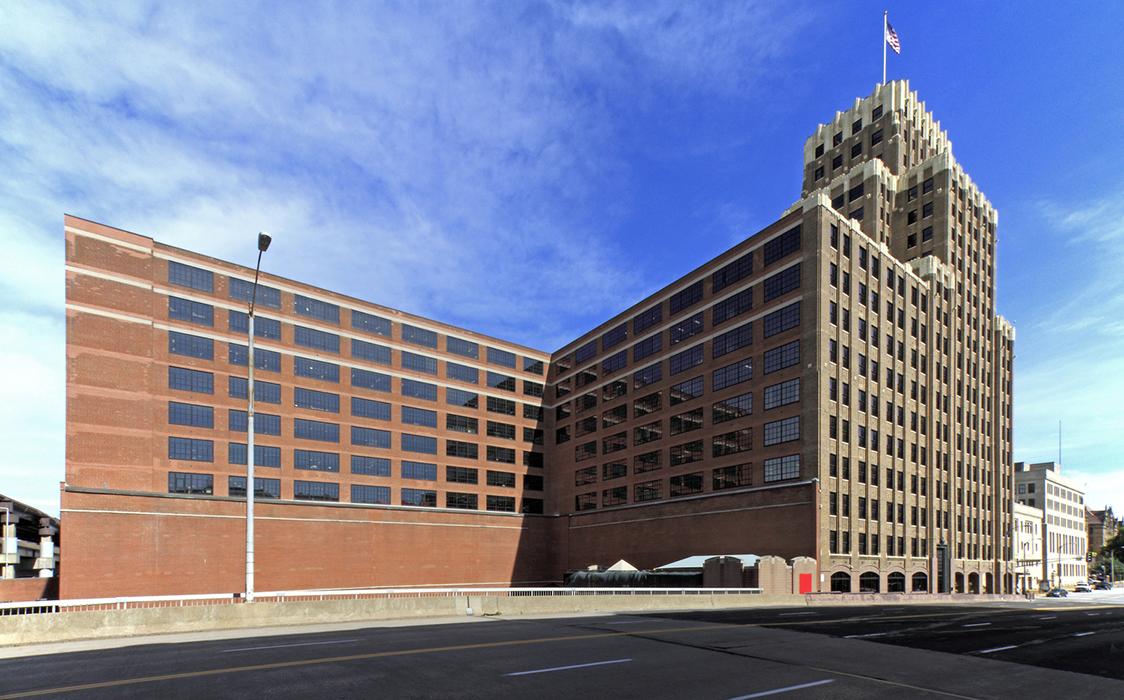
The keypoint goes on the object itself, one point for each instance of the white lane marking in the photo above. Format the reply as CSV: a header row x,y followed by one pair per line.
x,y
864,636
1092,614
627,622
281,646
567,668
992,651
977,624
810,612
786,689
1048,617
1083,634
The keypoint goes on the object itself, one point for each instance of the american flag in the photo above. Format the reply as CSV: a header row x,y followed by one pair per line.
x,y
892,39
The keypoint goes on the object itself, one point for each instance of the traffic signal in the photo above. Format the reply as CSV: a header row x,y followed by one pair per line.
x,y
1089,557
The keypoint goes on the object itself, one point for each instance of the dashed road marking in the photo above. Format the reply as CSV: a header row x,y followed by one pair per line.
x,y
786,689
995,649
568,668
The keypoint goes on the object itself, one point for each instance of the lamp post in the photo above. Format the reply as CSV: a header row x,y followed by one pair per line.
x,y
264,240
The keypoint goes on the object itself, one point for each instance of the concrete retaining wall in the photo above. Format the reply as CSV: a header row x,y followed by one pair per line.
x,y
68,626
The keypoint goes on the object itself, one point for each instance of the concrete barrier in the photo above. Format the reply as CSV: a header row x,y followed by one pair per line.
x,y
70,626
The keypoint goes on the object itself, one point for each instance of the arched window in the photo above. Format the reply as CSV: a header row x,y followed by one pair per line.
x,y
989,583
870,582
840,582
959,583
895,582
920,583
973,583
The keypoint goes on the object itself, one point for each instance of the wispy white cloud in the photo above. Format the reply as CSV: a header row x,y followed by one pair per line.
x,y
458,160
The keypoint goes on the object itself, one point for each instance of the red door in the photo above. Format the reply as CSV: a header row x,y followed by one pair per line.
x,y
805,583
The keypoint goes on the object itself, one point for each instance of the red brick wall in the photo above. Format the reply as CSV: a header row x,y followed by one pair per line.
x,y
20,589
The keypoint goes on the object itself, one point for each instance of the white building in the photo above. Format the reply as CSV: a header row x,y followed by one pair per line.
x,y
1062,503
1028,547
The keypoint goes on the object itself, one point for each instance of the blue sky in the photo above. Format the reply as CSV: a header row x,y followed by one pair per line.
x,y
528,169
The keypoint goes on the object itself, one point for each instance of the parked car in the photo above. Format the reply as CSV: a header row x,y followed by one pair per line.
x,y
1057,593
1082,588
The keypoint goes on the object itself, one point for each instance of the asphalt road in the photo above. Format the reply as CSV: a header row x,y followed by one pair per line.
x,y
1058,648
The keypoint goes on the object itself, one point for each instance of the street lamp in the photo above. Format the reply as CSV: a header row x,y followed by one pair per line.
x,y
264,239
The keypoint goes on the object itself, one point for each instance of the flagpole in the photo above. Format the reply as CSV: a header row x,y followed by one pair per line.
x,y
885,21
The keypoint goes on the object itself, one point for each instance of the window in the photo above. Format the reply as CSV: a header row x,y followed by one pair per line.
x,y
316,400
467,501
183,379
264,455
732,340
647,491
502,479
686,484
781,283
463,450
732,477
533,366
370,323
686,422
876,138
419,390
782,320
419,336
195,484
189,276
316,369
419,363
648,375
614,337
686,298
315,430
264,423
505,431
263,488
312,460
370,466
316,491
732,408
686,453
191,450
267,360
191,345
191,311
734,306
461,424
731,374
365,379
533,388
505,455
782,394
685,328
785,430
683,361
313,308
191,414
856,150
461,475
782,468
502,358
420,471
646,347
463,348
498,405
418,497
459,397
372,352
264,392
501,381
362,493
686,391
781,246
614,496
244,291
732,442
317,340
502,504
647,319
419,416
783,356
419,443
927,233
731,273
366,408
646,404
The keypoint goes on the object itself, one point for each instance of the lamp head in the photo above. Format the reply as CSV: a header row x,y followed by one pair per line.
x,y
264,239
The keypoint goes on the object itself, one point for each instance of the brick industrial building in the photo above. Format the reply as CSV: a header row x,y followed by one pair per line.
x,y
836,386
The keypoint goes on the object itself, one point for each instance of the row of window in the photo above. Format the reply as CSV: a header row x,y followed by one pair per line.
x,y
722,478
204,484
192,277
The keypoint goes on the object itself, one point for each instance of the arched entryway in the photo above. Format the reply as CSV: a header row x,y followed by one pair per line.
x,y
895,582
989,583
959,582
840,582
870,582
973,582
920,583
1007,584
